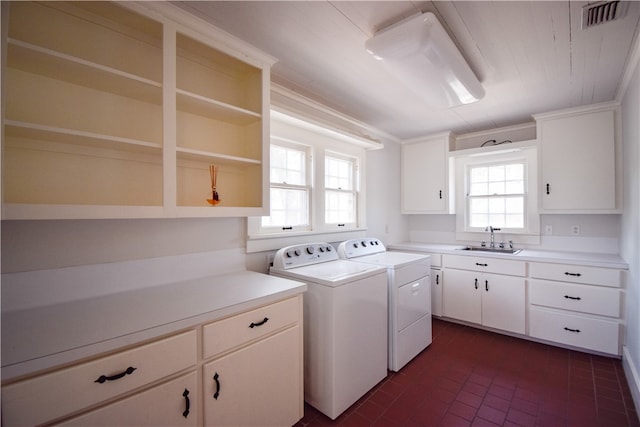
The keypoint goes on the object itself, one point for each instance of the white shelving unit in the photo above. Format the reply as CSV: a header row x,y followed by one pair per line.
x,y
117,110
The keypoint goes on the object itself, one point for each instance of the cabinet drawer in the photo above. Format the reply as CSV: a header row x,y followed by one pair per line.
x,y
164,405
231,332
576,274
575,330
58,393
583,298
489,265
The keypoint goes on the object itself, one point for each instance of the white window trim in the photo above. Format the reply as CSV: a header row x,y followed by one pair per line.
x,y
531,233
283,129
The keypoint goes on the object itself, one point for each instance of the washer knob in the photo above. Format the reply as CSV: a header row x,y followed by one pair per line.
x,y
329,248
364,243
355,245
310,250
297,252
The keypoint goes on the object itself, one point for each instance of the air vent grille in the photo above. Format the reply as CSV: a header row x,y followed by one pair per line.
x,y
601,12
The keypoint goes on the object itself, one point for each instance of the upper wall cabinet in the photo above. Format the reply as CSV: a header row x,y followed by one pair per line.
x,y
427,187
579,160
117,111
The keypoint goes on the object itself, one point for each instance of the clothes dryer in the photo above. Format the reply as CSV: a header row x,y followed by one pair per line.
x,y
409,286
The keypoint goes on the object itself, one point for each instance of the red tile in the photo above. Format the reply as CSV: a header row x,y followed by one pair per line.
x,y
430,413
491,414
462,410
550,420
452,420
480,422
521,418
501,392
496,402
370,410
525,406
475,388
470,399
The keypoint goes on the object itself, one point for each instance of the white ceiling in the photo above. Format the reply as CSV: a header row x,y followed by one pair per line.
x,y
531,57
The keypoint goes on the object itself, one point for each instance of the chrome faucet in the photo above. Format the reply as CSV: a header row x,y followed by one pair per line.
x,y
490,229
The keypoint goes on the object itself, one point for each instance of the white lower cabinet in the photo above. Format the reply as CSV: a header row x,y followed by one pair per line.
x,y
250,362
257,385
174,403
576,305
437,284
492,300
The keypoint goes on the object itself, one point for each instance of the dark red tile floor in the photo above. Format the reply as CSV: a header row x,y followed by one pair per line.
x,y
470,377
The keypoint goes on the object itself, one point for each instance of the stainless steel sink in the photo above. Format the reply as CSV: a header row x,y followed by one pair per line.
x,y
493,250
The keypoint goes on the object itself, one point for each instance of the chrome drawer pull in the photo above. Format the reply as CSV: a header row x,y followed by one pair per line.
x,y
103,378
577,331
260,323
566,273
573,298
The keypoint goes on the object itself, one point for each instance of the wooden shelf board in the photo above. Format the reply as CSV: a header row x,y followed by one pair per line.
x,y
60,66
69,136
207,107
198,155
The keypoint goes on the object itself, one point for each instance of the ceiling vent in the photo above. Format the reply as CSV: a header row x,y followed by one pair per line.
x,y
601,12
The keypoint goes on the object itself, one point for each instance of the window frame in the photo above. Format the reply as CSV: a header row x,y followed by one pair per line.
x,y
522,153
322,142
353,190
308,186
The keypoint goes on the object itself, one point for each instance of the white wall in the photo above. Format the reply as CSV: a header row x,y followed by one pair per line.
x,y
630,233
384,220
37,245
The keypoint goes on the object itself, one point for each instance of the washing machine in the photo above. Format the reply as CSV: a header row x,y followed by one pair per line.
x,y
345,324
409,286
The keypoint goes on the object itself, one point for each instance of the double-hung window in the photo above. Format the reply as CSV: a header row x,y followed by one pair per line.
x,y
315,187
340,193
290,188
498,189
496,196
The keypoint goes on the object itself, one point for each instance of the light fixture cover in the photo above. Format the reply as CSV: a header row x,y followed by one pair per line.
x,y
420,52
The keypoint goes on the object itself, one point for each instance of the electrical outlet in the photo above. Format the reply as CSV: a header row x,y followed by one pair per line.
x,y
548,230
575,230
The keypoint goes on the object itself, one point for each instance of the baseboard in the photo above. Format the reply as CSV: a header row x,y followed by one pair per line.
x,y
631,372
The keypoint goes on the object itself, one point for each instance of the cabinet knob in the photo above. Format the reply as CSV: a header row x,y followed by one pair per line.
x,y
476,283
548,189
441,194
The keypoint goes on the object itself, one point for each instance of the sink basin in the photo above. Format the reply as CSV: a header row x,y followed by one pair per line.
x,y
494,250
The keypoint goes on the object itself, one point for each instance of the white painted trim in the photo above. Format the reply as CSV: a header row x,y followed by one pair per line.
x,y
270,243
291,103
630,67
592,108
633,379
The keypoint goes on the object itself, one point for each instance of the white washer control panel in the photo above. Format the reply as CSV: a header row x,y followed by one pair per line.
x,y
304,254
360,247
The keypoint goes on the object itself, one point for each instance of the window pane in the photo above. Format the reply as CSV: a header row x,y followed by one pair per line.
x,y
289,207
339,207
496,173
288,165
515,205
338,173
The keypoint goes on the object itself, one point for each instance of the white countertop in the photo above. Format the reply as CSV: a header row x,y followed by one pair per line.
x,y
532,255
39,338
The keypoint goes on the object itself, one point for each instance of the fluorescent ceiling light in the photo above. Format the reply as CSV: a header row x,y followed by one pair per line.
x,y
420,52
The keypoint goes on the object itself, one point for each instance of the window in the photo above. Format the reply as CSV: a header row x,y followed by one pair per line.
x,y
498,189
496,196
315,187
289,188
340,195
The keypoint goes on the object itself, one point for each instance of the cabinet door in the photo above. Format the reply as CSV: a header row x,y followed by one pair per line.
x,y
425,176
462,296
171,404
257,385
436,292
578,162
503,302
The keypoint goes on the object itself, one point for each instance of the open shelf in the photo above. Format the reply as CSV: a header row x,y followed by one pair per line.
x,y
206,107
69,136
34,59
